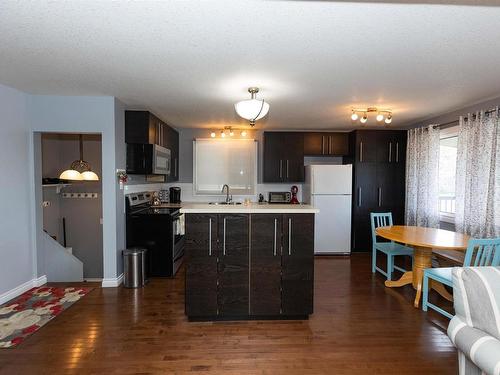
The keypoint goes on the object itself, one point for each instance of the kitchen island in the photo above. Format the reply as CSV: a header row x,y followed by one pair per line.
x,y
251,261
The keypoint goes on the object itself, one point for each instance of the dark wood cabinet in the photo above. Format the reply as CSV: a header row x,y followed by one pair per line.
x,y
201,260
257,265
143,127
172,143
379,162
297,264
326,144
265,264
233,265
283,157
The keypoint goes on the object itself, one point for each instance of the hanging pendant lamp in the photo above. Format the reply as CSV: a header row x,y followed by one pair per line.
x,y
79,170
252,109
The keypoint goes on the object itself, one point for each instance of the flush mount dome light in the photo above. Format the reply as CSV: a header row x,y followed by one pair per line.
x,y
252,109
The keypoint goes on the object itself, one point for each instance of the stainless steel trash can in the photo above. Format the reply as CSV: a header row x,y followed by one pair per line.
x,y
134,267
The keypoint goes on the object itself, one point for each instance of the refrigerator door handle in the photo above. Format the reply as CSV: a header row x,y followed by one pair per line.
x,y
281,168
361,151
359,197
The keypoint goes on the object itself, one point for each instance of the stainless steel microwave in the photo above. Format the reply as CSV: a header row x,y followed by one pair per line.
x,y
148,159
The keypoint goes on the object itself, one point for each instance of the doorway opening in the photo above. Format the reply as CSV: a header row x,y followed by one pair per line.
x,y
72,209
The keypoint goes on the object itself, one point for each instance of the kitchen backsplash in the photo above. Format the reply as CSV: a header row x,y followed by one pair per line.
x,y
188,196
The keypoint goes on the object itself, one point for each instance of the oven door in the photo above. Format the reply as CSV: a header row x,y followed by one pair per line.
x,y
161,160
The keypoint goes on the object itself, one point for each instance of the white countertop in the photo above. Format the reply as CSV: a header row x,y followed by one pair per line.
x,y
251,208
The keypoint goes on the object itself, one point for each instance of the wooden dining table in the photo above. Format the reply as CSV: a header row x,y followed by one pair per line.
x,y
423,240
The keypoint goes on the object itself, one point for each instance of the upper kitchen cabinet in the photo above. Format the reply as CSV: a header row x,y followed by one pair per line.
x,y
172,143
283,157
326,144
143,127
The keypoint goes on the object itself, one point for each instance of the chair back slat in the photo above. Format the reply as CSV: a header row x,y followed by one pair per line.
x,y
379,219
483,253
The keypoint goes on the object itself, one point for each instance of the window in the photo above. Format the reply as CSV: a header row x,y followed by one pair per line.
x,y
447,172
225,161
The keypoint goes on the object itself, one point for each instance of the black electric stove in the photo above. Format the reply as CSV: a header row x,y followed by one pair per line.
x,y
158,229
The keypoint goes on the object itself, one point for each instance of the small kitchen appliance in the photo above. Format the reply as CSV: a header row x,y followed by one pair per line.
x,y
175,194
279,197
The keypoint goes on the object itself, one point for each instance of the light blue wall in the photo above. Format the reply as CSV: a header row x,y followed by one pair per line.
x,y
120,163
454,115
16,242
83,114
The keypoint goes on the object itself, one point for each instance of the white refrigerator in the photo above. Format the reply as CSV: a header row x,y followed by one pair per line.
x,y
329,188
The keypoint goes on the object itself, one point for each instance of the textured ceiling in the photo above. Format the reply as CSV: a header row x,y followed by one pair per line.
x,y
190,61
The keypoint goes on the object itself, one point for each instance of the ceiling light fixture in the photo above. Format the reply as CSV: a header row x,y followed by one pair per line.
x,y
381,114
227,131
252,109
80,170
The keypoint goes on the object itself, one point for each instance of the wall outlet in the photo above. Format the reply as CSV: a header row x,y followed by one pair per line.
x,y
45,203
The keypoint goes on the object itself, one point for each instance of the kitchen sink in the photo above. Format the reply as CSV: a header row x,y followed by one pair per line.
x,y
224,203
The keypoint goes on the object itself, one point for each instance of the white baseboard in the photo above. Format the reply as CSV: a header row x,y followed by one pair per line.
x,y
40,280
20,289
112,282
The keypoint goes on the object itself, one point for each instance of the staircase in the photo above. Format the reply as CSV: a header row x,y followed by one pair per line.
x,y
60,264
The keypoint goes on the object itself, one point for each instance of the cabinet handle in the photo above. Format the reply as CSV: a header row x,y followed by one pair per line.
x,y
210,236
323,144
390,152
224,239
330,145
286,168
175,167
359,197
379,196
275,235
397,152
361,151
290,236
281,168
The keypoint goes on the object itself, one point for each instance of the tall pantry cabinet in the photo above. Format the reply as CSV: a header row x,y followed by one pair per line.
x,y
379,162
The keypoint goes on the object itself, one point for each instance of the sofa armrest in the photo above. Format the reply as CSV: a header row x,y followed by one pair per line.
x,y
478,347
476,294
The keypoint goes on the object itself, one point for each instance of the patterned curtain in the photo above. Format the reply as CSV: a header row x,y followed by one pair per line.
x,y
478,176
422,173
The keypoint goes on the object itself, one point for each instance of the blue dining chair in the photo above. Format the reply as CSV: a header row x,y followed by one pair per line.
x,y
479,253
390,249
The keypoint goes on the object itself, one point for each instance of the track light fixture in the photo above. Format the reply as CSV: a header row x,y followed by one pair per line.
x,y
382,114
228,131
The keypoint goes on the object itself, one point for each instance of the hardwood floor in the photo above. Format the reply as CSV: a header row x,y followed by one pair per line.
x,y
358,327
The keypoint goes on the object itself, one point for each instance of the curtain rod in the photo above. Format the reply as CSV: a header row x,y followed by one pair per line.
x,y
451,123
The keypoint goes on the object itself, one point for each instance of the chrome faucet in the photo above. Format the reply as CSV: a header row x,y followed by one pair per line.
x,y
229,198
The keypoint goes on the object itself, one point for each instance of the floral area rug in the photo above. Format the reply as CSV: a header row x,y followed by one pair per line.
x,y
25,315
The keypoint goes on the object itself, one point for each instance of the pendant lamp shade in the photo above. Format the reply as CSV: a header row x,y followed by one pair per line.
x,y
89,176
80,170
252,109
71,174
